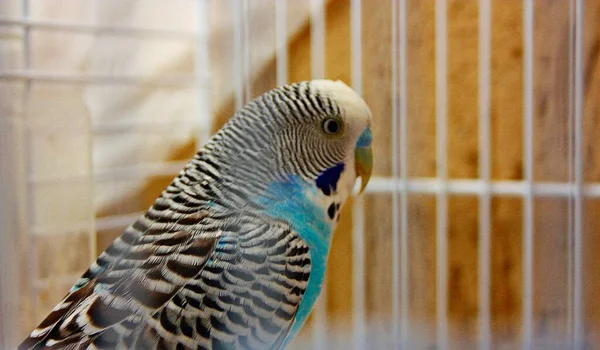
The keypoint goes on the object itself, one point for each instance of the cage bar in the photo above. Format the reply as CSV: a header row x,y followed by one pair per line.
x,y
499,188
356,45
246,68
485,48
30,75
395,159
358,210
571,200
203,119
25,205
528,224
238,51
281,42
317,45
94,29
317,50
91,227
579,189
404,258
441,94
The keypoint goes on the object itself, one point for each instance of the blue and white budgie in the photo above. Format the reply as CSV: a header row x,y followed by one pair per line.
x,y
233,253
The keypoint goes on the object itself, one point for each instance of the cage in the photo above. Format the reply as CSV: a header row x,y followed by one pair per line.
x,y
478,229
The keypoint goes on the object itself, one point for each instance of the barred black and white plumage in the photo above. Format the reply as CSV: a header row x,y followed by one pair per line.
x,y
226,259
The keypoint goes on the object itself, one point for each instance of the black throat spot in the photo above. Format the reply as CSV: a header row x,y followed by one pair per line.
x,y
328,180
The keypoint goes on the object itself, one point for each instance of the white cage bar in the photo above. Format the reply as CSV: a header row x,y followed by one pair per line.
x,y
317,54
528,224
141,33
395,159
281,42
579,191
441,117
202,68
358,211
404,258
238,59
246,68
485,50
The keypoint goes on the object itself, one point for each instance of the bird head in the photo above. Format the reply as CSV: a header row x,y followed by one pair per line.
x,y
317,132
347,130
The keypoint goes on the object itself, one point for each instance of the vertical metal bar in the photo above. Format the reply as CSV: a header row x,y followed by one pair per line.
x,y
578,220
281,40
317,47
571,199
356,37
317,50
202,70
93,236
238,52
358,240
359,280
441,88
528,96
246,61
395,205
25,204
404,293
485,49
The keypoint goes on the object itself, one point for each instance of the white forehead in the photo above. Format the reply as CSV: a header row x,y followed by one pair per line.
x,y
353,105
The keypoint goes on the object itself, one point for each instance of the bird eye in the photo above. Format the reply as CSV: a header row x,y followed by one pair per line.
x,y
332,126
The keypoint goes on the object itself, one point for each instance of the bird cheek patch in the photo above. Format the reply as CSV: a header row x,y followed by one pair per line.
x,y
328,180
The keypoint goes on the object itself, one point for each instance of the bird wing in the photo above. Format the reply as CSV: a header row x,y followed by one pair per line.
x,y
185,278
246,296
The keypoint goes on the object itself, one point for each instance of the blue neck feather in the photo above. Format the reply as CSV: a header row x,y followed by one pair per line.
x,y
295,205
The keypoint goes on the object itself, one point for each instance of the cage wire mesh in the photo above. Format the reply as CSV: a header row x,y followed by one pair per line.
x,y
477,231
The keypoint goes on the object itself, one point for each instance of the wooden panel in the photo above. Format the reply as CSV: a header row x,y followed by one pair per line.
x,y
551,150
422,265
463,87
507,164
507,274
463,242
377,91
421,88
463,162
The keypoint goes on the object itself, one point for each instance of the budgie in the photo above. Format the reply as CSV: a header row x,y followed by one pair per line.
x,y
233,253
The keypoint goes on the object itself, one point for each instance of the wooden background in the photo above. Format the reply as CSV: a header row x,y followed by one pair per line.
x,y
551,136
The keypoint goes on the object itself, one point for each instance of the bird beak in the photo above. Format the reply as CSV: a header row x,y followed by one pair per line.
x,y
363,163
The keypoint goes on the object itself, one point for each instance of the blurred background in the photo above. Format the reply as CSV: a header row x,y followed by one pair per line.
x,y
478,230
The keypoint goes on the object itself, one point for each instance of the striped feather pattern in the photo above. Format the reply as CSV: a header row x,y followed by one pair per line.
x,y
206,267
235,285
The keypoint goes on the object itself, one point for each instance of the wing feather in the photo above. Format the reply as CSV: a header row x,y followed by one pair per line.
x,y
138,274
230,280
246,296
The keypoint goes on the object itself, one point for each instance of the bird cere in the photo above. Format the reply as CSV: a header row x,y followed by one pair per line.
x,y
233,253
